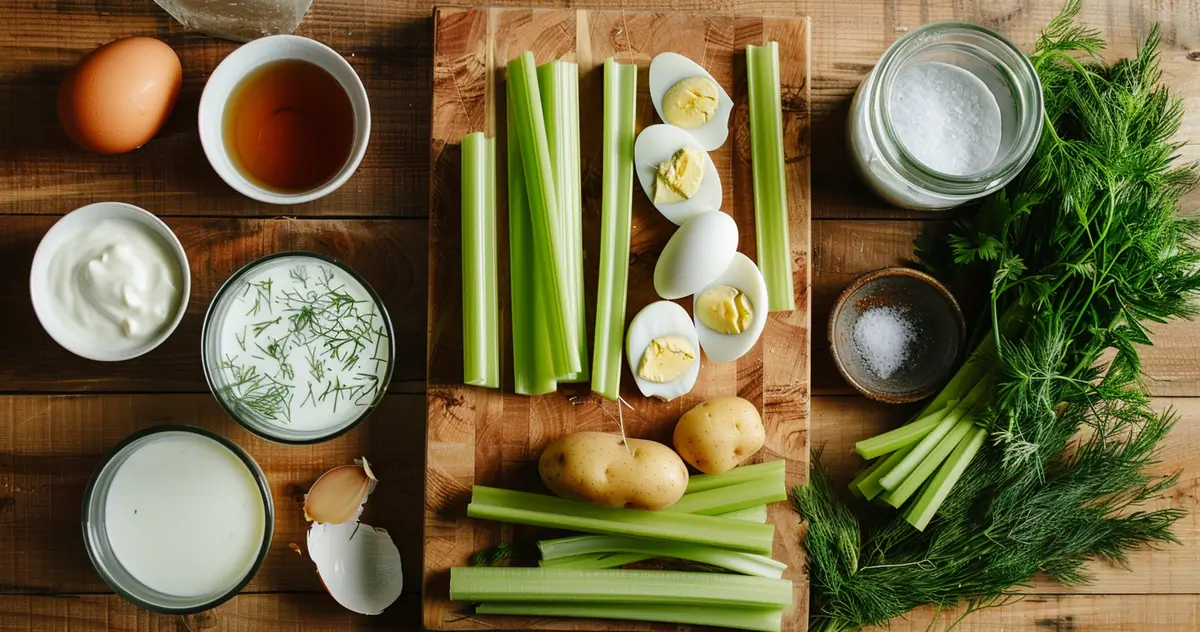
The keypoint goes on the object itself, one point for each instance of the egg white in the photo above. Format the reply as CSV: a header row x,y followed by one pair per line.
x,y
662,318
743,275
695,255
668,69
655,145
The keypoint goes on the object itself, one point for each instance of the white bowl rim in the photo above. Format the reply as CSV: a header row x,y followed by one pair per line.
x,y
70,224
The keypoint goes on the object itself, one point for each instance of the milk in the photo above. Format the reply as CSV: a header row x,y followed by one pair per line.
x,y
184,516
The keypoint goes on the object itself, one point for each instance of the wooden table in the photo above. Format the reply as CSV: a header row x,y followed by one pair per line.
x,y
59,414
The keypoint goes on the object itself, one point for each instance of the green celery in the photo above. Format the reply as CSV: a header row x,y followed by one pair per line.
x,y
901,437
755,619
752,514
616,221
525,110
901,494
862,476
771,223
925,507
499,583
559,85
595,561
763,491
962,410
532,370
869,486
705,482
559,513
745,563
481,311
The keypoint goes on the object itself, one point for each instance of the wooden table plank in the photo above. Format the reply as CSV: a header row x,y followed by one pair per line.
x,y
389,255
49,446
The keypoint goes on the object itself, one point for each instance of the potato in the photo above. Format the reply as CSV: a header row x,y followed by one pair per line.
x,y
605,469
719,434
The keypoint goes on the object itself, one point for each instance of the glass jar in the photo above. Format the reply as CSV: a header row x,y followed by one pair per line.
x,y
882,160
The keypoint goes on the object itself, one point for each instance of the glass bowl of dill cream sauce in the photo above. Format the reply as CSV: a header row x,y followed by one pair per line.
x,y
952,112
297,347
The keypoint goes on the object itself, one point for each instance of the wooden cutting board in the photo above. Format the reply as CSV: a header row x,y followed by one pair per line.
x,y
493,437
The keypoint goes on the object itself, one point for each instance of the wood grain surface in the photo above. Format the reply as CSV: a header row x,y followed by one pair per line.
x,y
59,413
479,436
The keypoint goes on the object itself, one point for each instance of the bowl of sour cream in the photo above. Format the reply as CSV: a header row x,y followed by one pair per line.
x,y
110,281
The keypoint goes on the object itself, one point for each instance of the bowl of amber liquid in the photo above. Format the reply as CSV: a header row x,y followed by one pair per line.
x,y
284,120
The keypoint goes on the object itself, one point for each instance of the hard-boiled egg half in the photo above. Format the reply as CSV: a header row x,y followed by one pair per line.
x,y
663,351
731,311
695,255
687,96
677,175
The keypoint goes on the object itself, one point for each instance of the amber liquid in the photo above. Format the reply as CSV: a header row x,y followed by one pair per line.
x,y
289,126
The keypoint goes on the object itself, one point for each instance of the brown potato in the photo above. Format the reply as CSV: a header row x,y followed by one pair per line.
x,y
719,434
605,469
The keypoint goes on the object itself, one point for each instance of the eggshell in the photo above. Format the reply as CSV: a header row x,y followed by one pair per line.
x,y
695,255
359,565
744,275
655,145
118,96
668,69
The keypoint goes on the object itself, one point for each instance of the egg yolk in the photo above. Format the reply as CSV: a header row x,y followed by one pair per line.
x,y
725,309
678,178
690,103
666,358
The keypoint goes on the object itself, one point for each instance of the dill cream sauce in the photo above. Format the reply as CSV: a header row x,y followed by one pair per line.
x,y
302,345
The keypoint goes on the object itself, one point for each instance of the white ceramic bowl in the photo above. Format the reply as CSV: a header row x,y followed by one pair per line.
x,y
241,62
68,227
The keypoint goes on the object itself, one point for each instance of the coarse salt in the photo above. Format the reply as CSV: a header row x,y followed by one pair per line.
x,y
946,118
883,336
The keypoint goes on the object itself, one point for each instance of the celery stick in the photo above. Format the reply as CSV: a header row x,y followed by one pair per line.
x,y
549,251
901,437
497,583
962,409
869,487
548,511
481,312
758,620
771,222
899,495
763,491
595,561
559,85
705,482
861,476
616,220
753,514
745,563
532,370
925,507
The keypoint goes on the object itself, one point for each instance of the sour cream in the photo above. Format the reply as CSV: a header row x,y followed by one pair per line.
x,y
115,284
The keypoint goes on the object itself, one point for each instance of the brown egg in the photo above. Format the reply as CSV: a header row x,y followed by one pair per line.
x,y
119,95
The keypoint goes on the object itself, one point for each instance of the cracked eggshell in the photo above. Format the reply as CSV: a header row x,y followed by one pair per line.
x,y
359,565
658,319
743,275
668,69
338,496
655,145
695,255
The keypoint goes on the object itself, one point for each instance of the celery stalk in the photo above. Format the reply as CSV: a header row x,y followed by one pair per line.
x,y
771,222
705,482
763,491
616,220
559,85
745,563
923,509
904,491
595,561
869,486
961,410
862,476
481,312
548,511
753,514
758,620
498,583
549,251
532,370
901,437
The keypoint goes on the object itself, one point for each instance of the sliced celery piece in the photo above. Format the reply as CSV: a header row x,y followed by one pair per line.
x,y
962,409
548,511
901,437
558,82
925,507
705,482
481,311
862,476
525,110
771,224
758,620
616,221
753,514
901,494
533,373
498,583
763,491
595,561
869,487
745,563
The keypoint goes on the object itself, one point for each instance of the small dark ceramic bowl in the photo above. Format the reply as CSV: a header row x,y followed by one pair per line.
x,y
939,333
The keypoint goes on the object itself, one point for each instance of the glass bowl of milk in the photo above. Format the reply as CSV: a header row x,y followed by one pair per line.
x,y
297,347
177,519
